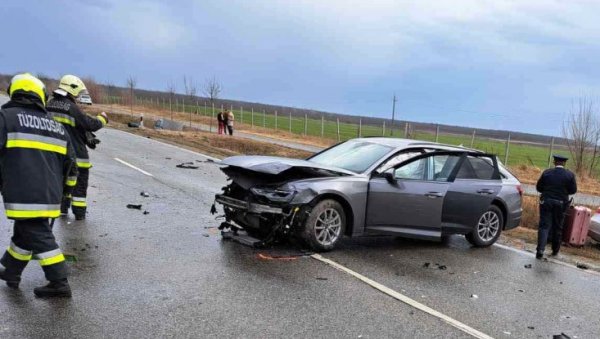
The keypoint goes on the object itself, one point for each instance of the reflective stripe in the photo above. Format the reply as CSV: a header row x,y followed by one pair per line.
x,y
79,202
50,257
27,140
64,119
83,163
18,253
23,211
101,118
28,83
71,181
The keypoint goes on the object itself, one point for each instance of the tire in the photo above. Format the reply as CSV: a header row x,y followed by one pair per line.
x,y
324,226
488,228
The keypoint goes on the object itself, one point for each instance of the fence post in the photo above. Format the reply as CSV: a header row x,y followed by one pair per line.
x,y
176,104
360,127
437,133
383,129
406,130
205,109
322,126
242,114
551,150
276,120
338,129
171,108
252,117
183,105
506,150
212,117
290,123
473,139
264,119
305,124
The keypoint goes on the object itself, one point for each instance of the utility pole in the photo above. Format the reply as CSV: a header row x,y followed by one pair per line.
x,y
393,114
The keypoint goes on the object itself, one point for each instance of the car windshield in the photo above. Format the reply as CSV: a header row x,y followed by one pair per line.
x,y
354,155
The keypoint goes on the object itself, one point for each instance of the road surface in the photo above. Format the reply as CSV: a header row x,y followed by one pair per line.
x,y
169,273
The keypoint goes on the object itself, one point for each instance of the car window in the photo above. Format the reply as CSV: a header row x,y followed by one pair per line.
x,y
353,155
481,168
398,159
431,168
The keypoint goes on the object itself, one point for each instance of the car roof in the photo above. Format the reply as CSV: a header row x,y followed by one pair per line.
x,y
399,143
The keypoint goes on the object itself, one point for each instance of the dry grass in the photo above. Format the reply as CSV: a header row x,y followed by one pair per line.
x,y
520,237
530,174
531,212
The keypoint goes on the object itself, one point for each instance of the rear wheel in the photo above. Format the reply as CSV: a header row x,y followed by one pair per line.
x,y
324,226
488,228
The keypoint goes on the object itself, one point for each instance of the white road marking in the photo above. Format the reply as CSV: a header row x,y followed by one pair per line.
x,y
411,302
135,168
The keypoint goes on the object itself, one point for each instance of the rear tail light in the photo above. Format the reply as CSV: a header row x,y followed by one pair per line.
x,y
520,190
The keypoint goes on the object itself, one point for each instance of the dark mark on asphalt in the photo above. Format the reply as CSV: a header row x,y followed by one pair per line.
x,y
582,266
322,278
189,165
531,327
146,212
426,265
528,266
134,207
145,194
561,336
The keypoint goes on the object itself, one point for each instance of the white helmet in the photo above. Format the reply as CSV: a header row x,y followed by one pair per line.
x,y
72,85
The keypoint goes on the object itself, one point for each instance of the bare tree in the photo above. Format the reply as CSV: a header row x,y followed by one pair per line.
x,y
131,83
94,89
190,91
110,91
171,88
582,131
212,89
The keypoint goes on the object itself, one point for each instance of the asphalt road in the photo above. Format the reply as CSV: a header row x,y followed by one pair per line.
x,y
169,273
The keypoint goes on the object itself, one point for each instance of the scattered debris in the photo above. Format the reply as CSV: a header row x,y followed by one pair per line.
x,y
103,235
276,257
521,291
442,267
582,266
168,158
531,327
134,207
322,278
426,265
189,165
474,296
146,212
145,194
506,332
83,250
206,235
133,124
411,312
528,266
561,336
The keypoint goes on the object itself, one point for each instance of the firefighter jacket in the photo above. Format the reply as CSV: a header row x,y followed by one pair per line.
x,y
64,110
37,160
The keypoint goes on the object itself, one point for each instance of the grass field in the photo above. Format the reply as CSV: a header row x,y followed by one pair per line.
x,y
519,153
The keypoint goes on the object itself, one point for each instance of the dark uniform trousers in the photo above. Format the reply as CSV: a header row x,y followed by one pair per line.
x,y
33,239
77,200
552,216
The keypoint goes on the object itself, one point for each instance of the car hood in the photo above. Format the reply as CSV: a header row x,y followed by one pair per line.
x,y
250,171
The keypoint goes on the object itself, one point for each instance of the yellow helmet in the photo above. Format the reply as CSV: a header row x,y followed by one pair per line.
x,y
72,85
27,83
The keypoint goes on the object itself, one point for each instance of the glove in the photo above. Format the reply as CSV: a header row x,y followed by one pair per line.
x,y
103,116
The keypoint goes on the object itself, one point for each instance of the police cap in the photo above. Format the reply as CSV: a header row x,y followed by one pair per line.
x,y
560,158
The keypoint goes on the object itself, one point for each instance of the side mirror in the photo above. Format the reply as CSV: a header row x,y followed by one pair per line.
x,y
389,176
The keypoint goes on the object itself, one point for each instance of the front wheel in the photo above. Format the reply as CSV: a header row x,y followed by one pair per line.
x,y
324,226
488,228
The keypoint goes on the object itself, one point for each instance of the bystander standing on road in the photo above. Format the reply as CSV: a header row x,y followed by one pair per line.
x,y
221,122
230,119
555,186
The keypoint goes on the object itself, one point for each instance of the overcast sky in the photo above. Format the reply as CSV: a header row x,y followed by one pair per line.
x,y
492,64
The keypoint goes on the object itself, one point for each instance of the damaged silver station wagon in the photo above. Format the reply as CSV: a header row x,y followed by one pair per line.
x,y
370,186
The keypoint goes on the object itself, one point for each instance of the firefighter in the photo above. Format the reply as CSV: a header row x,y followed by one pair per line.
x,y
37,164
555,186
79,125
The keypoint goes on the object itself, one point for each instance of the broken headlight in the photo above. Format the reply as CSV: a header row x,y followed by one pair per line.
x,y
274,194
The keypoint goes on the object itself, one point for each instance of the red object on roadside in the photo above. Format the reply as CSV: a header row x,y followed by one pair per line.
x,y
577,225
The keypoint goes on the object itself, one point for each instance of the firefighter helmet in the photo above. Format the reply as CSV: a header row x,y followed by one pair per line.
x,y
26,83
72,85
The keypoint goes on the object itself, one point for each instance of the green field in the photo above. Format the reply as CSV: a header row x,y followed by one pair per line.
x,y
519,153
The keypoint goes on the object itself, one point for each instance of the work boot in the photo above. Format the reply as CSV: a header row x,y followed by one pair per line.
x,y
80,217
12,280
539,255
554,253
56,288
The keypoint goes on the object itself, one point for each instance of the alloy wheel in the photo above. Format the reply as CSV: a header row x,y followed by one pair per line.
x,y
488,226
328,227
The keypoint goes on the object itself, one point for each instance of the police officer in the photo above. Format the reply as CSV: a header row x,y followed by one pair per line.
x,y
36,162
555,186
64,109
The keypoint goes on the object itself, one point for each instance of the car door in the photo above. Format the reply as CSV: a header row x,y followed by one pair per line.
x,y
408,199
475,187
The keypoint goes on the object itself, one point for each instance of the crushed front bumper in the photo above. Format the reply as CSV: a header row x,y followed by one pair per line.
x,y
246,206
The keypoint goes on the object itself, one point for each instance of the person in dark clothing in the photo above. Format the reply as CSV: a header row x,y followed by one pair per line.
x,y
555,186
221,122
80,126
37,166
